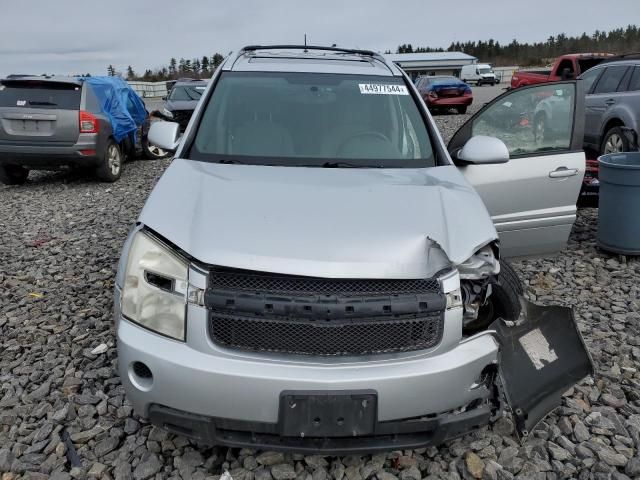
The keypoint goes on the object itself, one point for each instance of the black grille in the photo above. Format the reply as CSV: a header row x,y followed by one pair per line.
x,y
256,282
322,337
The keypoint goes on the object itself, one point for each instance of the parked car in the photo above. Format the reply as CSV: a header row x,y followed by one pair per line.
x,y
479,73
444,93
182,101
612,103
317,271
564,67
48,123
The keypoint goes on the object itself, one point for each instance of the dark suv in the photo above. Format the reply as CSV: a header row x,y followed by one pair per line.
x,y
612,103
49,123
182,101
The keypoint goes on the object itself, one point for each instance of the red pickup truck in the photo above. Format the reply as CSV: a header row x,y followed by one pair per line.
x,y
564,68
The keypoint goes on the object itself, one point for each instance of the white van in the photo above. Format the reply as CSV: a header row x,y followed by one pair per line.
x,y
479,73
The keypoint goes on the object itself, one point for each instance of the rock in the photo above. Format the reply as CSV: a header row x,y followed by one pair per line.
x,y
6,459
581,432
96,470
99,349
353,473
386,476
633,467
411,473
149,465
131,426
105,446
557,452
474,464
503,427
316,461
283,471
270,458
405,461
612,458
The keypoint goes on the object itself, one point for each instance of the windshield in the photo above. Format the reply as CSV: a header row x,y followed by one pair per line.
x,y
486,70
310,119
186,93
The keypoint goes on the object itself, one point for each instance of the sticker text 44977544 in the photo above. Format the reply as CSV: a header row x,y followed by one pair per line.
x,y
382,89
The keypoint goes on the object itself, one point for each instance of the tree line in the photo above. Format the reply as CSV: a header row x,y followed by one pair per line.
x,y
619,41
184,67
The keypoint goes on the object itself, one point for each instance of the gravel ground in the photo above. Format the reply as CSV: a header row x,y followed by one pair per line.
x,y
63,413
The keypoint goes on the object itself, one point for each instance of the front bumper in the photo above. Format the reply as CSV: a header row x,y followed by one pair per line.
x,y
221,396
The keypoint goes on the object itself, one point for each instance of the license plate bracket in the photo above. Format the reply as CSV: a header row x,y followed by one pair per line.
x,y
328,413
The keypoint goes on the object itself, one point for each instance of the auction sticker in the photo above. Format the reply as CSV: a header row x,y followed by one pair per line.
x,y
382,89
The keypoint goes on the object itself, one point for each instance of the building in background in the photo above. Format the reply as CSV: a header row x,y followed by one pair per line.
x,y
432,63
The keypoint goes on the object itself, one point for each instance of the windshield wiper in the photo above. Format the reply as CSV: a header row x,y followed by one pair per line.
x,y
33,102
347,165
228,161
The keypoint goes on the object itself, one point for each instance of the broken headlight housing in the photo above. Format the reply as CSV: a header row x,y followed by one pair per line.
x,y
154,292
475,280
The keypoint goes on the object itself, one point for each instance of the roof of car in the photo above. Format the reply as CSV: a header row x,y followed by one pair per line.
x,y
310,59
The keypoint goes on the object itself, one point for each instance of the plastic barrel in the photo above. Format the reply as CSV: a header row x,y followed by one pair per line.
x,y
619,204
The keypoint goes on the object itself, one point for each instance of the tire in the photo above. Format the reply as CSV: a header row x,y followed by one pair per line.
x,y
13,174
151,152
110,167
462,110
504,301
479,83
614,141
506,292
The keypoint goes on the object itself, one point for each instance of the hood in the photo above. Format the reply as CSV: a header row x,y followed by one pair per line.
x,y
181,104
322,222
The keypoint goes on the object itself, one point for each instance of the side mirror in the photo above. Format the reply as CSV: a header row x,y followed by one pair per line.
x,y
165,135
483,150
165,97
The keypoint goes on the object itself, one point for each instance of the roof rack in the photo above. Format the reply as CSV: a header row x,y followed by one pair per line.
x,y
253,48
305,48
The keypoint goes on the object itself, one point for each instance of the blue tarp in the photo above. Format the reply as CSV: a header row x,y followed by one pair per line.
x,y
120,103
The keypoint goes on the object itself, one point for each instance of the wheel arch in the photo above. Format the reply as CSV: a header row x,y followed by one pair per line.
x,y
611,123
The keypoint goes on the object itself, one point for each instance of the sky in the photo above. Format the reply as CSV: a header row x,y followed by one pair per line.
x,y
71,37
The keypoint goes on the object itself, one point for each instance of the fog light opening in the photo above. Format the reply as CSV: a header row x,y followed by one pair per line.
x,y
141,376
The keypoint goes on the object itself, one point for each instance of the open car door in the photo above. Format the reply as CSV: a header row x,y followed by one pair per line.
x,y
531,198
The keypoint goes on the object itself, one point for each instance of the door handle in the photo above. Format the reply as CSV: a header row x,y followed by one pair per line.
x,y
562,172
610,102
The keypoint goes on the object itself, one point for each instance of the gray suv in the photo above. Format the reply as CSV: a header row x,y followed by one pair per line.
x,y
49,123
612,102
314,273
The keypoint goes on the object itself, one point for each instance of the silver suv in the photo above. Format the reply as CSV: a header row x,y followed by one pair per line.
x,y
314,272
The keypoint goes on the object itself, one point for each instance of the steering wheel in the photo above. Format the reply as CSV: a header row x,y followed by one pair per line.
x,y
377,135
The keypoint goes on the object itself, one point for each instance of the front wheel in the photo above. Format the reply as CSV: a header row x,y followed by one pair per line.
x,y
153,152
110,167
13,174
504,301
614,142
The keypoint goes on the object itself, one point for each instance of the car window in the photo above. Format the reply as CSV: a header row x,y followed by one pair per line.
x,y
186,94
44,95
610,79
308,119
634,83
530,120
589,78
446,81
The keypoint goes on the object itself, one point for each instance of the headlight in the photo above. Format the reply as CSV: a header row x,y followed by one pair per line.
x,y
167,113
154,294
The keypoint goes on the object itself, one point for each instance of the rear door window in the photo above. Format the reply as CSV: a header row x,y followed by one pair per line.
x,y
634,84
589,78
40,95
610,79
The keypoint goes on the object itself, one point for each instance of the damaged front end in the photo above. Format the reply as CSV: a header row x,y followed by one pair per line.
x,y
541,351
